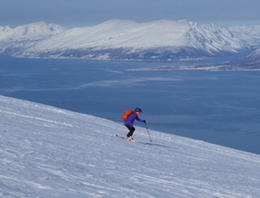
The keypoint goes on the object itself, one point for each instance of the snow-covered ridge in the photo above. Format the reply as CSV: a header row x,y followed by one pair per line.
x,y
249,35
157,34
16,41
124,39
51,152
32,31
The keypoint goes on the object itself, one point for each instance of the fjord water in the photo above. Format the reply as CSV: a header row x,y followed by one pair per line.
x,y
217,107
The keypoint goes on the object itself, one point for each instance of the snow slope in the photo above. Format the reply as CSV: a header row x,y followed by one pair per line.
x,y
50,152
248,35
253,58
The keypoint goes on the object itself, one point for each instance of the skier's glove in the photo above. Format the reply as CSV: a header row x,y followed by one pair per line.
x,y
145,121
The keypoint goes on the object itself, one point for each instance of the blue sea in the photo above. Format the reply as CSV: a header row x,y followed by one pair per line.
x,y
217,107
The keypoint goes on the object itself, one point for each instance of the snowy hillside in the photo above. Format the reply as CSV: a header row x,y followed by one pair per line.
x,y
253,58
127,40
248,35
50,152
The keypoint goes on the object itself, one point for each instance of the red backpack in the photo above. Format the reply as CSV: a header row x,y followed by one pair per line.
x,y
127,113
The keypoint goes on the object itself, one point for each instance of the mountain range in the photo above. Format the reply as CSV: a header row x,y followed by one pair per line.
x,y
162,40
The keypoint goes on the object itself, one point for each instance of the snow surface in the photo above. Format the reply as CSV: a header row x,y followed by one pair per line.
x,y
50,152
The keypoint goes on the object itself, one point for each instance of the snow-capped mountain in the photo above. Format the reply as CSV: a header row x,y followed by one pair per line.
x,y
127,40
118,34
23,37
34,31
51,152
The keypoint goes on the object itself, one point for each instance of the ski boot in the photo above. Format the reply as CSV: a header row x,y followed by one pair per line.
x,y
130,139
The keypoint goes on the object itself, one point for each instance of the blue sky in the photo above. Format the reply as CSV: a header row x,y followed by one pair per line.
x,y
90,12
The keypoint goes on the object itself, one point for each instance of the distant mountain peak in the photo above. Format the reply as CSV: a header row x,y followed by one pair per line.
x,y
30,31
126,39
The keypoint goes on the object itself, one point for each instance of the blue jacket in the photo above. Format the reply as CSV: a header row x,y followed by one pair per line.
x,y
131,119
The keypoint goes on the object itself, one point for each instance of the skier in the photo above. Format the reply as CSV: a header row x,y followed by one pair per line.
x,y
129,117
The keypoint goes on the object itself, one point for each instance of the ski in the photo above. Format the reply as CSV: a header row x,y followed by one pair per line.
x,y
123,138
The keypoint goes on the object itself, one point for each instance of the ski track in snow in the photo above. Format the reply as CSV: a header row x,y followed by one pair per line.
x,y
50,152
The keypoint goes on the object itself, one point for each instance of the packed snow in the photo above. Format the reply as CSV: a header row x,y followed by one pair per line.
x,y
51,152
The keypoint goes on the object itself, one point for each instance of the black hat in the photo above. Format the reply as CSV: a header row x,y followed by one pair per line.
x,y
137,109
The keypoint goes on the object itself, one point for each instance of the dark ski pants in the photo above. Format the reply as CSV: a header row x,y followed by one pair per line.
x,y
131,130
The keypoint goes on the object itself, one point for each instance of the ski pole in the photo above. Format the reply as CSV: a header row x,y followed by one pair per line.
x,y
148,132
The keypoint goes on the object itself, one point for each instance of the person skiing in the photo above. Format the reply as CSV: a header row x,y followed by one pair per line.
x,y
129,117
